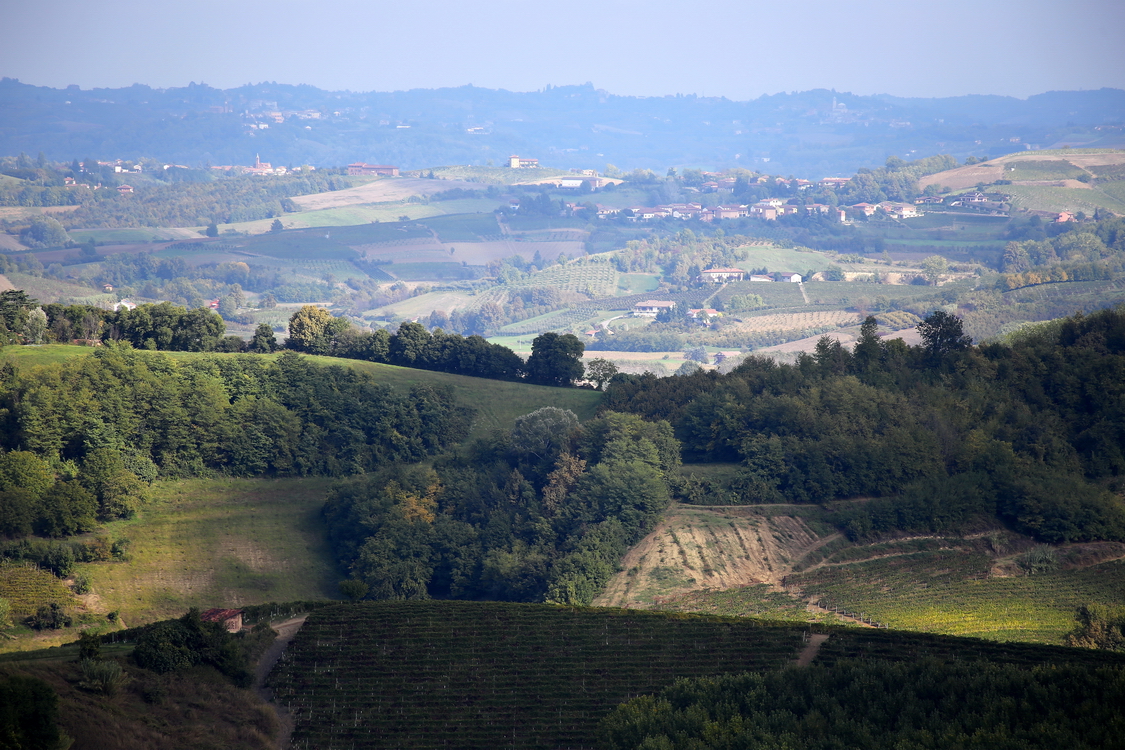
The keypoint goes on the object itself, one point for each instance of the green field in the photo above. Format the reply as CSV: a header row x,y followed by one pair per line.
x,y
52,290
462,674
782,259
464,227
633,283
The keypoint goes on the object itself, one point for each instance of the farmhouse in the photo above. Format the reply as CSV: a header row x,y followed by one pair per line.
x,y
792,277
760,277
360,168
125,304
230,619
651,308
515,162
124,189
705,314
720,275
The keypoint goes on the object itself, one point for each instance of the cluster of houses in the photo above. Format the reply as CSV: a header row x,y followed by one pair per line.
x,y
769,209
361,168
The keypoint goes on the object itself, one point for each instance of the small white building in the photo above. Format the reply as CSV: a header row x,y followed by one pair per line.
x,y
651,308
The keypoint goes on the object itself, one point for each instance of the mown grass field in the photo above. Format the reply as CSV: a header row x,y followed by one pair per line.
x,y
223,542
782,259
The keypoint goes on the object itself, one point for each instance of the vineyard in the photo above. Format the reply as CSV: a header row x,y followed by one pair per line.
x,y
560,320
951,592
461,674
592,279
897,320
27,588
800,321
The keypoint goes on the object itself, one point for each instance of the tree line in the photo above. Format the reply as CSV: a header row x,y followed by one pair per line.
x,y
879,704
944,435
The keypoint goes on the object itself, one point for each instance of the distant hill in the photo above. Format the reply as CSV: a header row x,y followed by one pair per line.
x,y
812,133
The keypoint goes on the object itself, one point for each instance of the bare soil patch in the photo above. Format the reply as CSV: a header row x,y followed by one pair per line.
x,y
387,190
5,285
698,548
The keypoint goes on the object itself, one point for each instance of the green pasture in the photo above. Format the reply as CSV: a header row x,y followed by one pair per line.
x,y
782,259
775,294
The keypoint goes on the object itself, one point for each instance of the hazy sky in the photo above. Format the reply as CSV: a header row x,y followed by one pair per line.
x,y
737,50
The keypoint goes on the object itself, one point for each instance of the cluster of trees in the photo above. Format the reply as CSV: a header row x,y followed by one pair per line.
x,y
225,200
944,434
555,359
80,440
681,257
878,704
540,514
1079,244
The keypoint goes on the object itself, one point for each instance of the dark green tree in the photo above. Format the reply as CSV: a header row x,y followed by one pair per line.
x,y
263,342
556,359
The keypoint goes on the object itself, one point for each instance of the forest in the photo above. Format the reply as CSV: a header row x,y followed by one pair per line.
x,y
939,437
542,513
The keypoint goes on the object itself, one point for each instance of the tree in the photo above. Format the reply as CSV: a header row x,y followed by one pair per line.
x,y
556,359
308,330
933,267
543,432
600,371
212,230
942,333
263,342
276,226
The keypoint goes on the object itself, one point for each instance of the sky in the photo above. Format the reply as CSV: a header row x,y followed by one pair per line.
x,y
739,50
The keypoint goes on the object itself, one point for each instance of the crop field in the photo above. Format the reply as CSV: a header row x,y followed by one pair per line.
x,y
951,592
796,321
461,674
756,600
538,223
27,588
424,304
565,320
464,227
776,294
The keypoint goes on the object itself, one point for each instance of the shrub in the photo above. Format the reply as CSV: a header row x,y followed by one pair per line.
x,y
102,676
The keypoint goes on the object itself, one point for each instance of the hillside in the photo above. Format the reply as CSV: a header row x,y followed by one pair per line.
x,y
527,676
1053,181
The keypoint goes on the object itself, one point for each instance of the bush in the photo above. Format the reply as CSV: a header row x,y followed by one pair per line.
x,y
104,677
50,617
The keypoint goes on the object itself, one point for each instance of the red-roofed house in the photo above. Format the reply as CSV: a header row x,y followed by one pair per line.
x,y
230,619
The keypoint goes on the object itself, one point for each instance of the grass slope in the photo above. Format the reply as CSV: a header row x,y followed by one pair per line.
x,y
460,674
218,543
